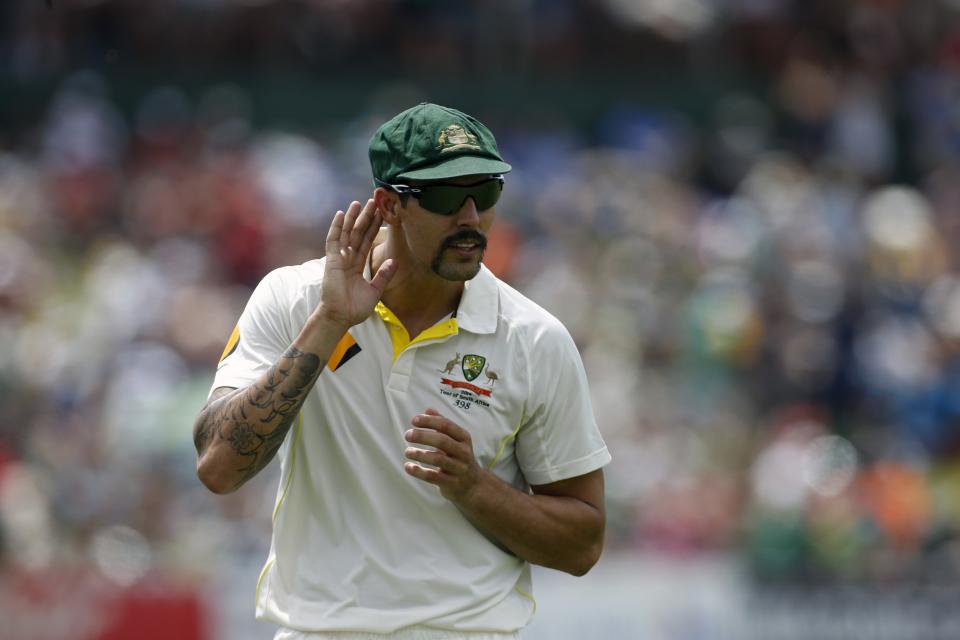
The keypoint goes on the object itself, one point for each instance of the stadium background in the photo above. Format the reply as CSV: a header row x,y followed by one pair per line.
x,y
745,211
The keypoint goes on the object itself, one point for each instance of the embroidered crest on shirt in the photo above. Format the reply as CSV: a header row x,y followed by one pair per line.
x,y
472,365
465,393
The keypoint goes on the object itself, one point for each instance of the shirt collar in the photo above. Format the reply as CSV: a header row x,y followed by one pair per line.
x,y
480,303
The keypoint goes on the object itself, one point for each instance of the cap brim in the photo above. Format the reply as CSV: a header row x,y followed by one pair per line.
x,y
456,167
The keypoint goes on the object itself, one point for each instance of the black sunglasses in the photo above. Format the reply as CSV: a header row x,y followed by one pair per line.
x,y
447,199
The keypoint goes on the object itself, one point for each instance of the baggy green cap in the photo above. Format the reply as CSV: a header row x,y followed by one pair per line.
x,y
430,142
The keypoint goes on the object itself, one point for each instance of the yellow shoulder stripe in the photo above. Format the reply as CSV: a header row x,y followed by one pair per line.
x,y
345,349
231,343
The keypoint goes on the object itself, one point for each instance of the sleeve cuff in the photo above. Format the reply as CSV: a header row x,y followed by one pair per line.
x,y
230,381
572,469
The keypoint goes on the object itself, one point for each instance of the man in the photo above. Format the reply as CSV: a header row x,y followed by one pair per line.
x,y
434,426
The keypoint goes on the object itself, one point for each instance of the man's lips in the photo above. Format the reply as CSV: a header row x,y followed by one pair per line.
x,y
466,246
465,250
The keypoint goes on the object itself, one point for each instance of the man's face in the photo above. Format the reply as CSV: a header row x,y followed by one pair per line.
x,y
450,246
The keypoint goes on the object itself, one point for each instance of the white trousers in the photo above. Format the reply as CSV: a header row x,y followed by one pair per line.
x,y
409,633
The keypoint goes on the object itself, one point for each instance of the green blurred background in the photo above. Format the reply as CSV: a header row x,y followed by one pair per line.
x,y
745,212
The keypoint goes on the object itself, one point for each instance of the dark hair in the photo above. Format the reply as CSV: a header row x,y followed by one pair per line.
x,y
404,197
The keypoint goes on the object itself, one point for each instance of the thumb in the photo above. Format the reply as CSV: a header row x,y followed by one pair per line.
x,y
384,274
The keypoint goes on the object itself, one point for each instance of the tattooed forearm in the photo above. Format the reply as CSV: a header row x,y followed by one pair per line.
x,y
203,430
253,422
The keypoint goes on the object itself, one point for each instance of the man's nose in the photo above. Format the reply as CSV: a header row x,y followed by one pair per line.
x,y
468,216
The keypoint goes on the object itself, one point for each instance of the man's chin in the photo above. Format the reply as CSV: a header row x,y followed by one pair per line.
x,y
458,272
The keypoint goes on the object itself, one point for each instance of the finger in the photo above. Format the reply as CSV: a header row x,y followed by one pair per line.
x,y
371,232
432,476
351,217
431,438
431,419
333,234
435,459
362,224
383,275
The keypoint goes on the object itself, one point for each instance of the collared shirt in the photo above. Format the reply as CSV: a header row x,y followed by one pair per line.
x,y
358,544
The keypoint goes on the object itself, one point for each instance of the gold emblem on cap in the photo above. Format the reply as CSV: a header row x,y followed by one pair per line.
x,y
456,137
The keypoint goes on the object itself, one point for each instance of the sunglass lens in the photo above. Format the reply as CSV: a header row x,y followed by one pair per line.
x,y
487,194
443,199
447,199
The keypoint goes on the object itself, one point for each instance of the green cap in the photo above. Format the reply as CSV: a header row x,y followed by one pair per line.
x,y
430,142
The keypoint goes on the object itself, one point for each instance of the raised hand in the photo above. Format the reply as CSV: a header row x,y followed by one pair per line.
x,y
347,297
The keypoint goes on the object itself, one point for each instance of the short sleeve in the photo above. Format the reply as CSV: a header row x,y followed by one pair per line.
x,y
559,438
263,333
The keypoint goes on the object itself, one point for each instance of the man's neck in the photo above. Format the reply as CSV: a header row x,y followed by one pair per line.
x,y
417,296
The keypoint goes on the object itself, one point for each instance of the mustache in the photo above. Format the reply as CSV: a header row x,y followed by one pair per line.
x,y
466,235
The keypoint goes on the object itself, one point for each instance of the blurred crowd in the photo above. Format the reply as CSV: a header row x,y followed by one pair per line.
x,y
766,298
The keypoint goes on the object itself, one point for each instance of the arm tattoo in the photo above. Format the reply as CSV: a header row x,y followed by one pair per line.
x,y
254,421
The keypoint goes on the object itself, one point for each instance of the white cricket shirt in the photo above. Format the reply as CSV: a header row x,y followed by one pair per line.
x,y
357,543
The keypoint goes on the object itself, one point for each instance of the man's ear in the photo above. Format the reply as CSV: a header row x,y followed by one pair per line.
x,y
388,202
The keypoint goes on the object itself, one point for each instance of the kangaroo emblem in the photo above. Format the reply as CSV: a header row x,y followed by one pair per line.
x,y
491,375
451,364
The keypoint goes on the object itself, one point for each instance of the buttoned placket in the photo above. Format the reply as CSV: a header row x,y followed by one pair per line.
x,y
402,368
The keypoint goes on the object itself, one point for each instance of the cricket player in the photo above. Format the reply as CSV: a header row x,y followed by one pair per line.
x,y
433,425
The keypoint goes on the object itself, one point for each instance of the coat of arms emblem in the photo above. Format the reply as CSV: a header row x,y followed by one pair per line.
x,y
472,366
456,137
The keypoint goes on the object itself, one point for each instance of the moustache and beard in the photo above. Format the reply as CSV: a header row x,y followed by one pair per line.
x,y
459,271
